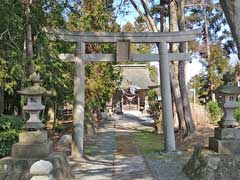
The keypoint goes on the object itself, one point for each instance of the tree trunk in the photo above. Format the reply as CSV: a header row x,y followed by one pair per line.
x,y
232,13
178,101
1,100
182,64
28,37
174,69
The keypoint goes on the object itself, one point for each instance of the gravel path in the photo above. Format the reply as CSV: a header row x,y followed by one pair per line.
x,y
116,156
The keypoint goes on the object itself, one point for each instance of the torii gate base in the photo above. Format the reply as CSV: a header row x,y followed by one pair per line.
x,y
122,39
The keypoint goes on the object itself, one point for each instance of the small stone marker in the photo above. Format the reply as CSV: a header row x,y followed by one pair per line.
x,y
41,170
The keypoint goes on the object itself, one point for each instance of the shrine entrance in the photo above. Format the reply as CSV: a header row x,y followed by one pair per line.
x,y
123,40
132,94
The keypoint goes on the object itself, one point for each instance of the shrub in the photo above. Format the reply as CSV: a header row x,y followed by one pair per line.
x,y
155,110
10,122
214,110
59,128
236,113
10,127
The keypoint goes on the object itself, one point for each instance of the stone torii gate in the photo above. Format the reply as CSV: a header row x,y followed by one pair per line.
x,y
123,40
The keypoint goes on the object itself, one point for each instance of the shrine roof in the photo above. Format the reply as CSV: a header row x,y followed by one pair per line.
x,y
137,75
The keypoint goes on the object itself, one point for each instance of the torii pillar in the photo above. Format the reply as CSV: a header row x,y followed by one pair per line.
x,y
168,124
79,99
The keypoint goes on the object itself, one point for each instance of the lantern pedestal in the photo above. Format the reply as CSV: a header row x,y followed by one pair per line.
x,y
225,141
32,144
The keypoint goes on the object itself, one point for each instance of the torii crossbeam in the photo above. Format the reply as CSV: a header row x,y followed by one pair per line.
x,y
123,39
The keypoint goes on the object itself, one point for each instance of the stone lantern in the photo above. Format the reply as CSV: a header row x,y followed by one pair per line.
x,y
34,142
34,102
230,94
33,157
226,138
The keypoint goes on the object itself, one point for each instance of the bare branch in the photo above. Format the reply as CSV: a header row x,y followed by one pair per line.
x,y
141,14
148,16
2,34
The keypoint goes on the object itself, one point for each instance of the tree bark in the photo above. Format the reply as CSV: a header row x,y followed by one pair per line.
x,y
182,64
1,100
28,37
178,101
174,69
232,13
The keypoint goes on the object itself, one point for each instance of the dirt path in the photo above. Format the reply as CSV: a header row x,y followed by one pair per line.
x,y
114,154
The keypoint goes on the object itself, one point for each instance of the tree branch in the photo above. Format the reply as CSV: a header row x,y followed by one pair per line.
x,y
141,14
148,16
2,34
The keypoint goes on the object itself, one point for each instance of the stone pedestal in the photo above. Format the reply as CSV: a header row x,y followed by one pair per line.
x,y
32,144
225,141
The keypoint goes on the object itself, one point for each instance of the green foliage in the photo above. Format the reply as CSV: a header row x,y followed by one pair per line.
x,y
10,127
154,104
207,82
236,113
101,78
56,75
214,110
153,73
59,128
210,16
7,140
8,123
155,109
152,95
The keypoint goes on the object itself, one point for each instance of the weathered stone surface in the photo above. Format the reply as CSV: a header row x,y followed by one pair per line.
x,y
36,150
227,133
208,165
41,167
33,137
66,140
42,178
224,146
18,169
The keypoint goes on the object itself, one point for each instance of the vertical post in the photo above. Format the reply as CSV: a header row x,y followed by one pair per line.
x,y
169,138
138,101
78,111
121,103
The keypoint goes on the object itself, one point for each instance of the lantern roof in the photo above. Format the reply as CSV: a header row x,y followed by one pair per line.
x,y
36,89
228,90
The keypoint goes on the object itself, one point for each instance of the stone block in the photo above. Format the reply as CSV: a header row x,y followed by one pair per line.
x,y
34,125
227,133
37,150
33,137
224,146
42,178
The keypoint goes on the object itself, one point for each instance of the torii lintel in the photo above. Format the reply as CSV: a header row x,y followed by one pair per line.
x,y
112,37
